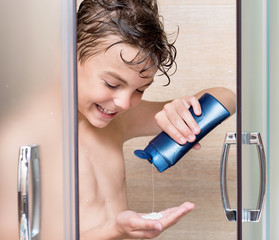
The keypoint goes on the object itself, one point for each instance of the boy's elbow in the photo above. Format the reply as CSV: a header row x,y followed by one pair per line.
x,y
224,95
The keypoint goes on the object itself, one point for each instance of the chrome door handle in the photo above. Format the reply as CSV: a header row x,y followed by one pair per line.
x,y
229,139
247,214
29,161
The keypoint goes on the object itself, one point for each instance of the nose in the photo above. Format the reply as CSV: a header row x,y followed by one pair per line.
x,y
123,101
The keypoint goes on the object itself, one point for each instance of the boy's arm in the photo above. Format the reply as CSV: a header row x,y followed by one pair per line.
x,y
150,118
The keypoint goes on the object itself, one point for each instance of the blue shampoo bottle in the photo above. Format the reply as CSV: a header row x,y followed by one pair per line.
x,y
163,152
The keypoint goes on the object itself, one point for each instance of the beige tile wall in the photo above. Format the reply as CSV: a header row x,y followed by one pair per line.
x,y
206,58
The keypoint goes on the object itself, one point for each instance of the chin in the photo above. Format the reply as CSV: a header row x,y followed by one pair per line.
x,y
99,124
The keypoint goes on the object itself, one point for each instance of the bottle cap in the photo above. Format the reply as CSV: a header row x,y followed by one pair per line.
x,y
142,154
153,157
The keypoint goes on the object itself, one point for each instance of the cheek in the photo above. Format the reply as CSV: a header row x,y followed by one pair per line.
x,y
89,92
83,96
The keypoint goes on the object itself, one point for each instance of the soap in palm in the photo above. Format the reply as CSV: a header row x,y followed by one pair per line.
x,y
153,215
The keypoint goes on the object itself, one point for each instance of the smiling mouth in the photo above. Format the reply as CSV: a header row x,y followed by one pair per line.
x,y
105,111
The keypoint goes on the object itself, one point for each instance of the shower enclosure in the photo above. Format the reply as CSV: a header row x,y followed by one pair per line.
x,y
38,127
38,148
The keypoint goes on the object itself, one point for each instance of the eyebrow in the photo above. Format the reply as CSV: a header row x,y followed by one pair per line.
x,y
117,76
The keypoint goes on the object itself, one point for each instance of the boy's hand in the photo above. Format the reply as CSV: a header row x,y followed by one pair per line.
x,y
131,225
177,121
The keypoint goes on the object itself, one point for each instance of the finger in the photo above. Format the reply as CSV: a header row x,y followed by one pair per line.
x,y
141,224
145,234
177,117
191,122
169,128
194,102
185,207
197,146
148,232
173,215
191,128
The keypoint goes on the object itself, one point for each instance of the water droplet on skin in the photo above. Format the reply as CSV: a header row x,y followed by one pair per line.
x,y
51,113
86,150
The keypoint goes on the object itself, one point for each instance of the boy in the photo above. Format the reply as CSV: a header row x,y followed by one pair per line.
x,y
121,45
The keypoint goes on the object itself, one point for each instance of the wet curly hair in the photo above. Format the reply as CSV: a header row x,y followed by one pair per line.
x,y
135,22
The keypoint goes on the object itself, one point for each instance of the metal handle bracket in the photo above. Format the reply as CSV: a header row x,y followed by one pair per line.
x,y
250,138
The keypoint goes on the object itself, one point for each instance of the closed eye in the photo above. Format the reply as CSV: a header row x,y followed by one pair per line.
x,y
110,85
140,91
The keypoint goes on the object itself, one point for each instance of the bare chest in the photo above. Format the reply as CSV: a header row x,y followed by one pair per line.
x,y
102,183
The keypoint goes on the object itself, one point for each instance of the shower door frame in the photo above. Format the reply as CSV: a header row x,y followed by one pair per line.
x,y
70,121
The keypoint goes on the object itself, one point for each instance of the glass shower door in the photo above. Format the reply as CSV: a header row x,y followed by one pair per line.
x,y
254,119
37,120
260,101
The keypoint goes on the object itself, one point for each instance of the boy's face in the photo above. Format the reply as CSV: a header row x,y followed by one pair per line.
x,y
108,86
